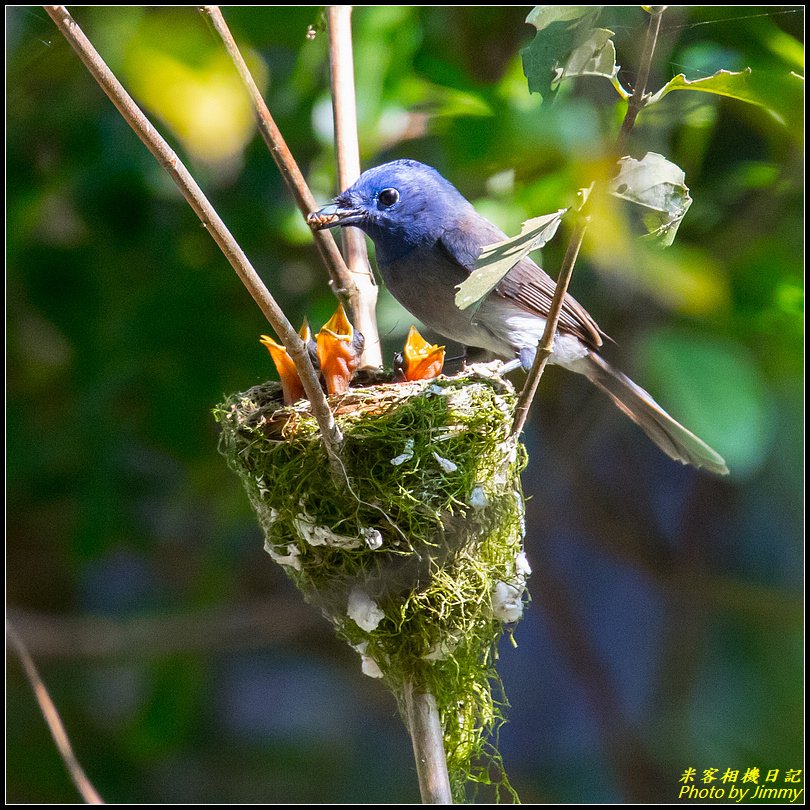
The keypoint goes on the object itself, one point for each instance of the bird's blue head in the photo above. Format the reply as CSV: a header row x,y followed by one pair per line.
x,y
401,205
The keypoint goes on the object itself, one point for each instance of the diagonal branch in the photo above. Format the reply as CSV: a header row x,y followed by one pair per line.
x,y
54,721
545,347
330,433
345,281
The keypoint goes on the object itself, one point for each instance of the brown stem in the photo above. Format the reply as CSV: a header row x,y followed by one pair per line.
x,y
425,728
343,280
330,433
344,111
281,154
264,623
638,100
54,721
544,348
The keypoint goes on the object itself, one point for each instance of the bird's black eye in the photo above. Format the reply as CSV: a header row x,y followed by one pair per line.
x,y
387,197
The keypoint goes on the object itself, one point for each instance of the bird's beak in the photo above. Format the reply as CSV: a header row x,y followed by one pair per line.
x,y
421,360
291,385
340,347
305,333
333,215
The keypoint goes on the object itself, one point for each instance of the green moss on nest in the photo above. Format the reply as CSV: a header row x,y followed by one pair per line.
x,y
410,554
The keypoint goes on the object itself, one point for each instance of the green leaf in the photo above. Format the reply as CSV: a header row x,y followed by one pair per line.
x,y
543,16
742,85
498,259
596,56
542,56
567,45
658,186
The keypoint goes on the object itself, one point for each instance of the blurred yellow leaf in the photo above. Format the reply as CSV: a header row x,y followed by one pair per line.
x,y
681,279
203,103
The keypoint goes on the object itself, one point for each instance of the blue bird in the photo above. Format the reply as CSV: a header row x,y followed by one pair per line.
x,y
428,237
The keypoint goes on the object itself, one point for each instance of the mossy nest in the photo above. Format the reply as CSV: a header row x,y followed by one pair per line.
x,y
415,551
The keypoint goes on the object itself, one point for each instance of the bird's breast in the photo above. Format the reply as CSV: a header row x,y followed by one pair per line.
x,y
424,281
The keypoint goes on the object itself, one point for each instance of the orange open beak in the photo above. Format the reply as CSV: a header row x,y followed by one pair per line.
x,y
291,385
340,347
421,360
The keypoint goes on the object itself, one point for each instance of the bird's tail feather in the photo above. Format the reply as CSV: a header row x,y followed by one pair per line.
x,y
673,438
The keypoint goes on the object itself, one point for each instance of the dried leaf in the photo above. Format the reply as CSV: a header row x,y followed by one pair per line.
x,y
498,259
658,186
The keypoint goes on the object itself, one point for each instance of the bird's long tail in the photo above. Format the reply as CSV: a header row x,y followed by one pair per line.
x,y
673,438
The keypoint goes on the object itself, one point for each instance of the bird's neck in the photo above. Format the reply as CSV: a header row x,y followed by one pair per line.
x,y
393,244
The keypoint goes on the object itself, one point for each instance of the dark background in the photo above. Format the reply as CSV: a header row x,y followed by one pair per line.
x,y
665,630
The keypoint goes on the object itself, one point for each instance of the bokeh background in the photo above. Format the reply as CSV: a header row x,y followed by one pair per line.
x,y
665,630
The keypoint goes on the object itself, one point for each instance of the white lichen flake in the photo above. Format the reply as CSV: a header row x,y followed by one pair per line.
x,y
373,538
404,456
368,665
522,568
507,602
292,558
478,498
322,535
445,463
507,597
363,610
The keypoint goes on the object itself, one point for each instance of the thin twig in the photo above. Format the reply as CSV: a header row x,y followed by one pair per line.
x,y
268,624
342,278
54,721
545,347
344,112
280,152
639,98
265,623
425,728
330,433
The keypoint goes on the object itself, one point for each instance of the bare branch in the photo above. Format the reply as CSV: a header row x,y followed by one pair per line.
x,y
344,111
330,433
343,281
425,728
545,346
261,624
54,721
639,98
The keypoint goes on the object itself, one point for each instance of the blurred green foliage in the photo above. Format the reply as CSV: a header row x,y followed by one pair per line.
x,y
125,326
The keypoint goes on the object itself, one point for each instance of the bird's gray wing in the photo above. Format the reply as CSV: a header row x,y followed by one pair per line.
x,y
526,284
